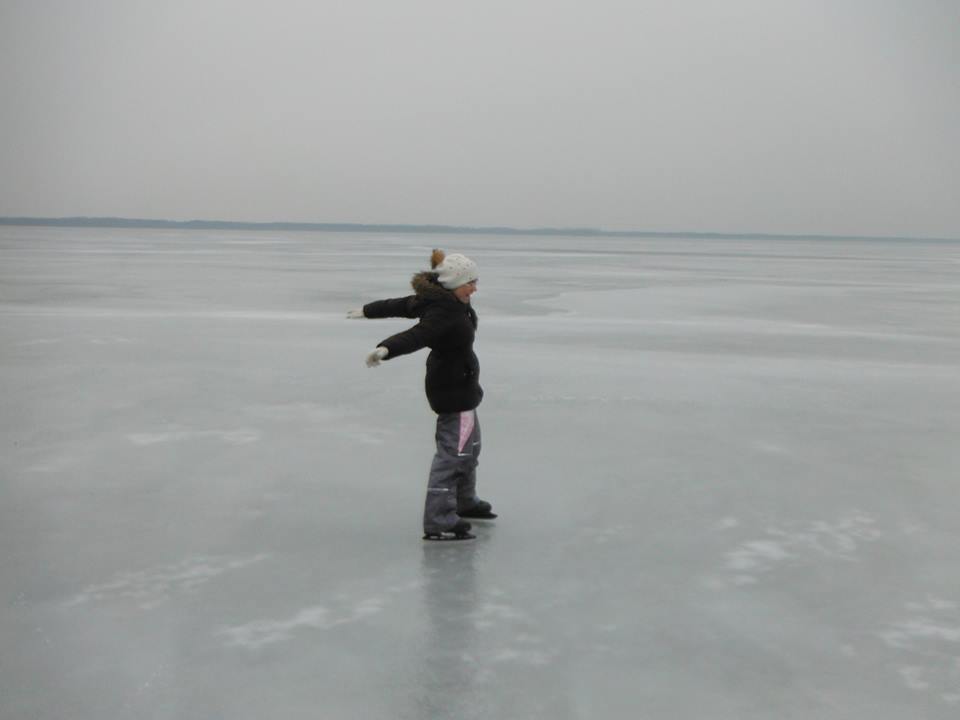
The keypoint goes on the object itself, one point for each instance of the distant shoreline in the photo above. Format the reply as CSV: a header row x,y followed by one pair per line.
x,y
113,222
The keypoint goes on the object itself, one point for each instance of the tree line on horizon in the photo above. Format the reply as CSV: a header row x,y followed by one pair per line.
x,y
116,222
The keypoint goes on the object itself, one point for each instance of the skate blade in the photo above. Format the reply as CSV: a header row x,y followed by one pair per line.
x,y
487,516
449,537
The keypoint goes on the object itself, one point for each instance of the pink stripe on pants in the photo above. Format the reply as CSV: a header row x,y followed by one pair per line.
x,y
467,421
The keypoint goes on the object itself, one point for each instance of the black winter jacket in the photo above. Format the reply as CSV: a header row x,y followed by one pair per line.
x,y
447,326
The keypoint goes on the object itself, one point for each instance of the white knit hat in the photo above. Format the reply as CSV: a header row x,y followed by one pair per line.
x,y
453,270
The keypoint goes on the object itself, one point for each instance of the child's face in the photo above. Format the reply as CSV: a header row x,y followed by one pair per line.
x,y
464,292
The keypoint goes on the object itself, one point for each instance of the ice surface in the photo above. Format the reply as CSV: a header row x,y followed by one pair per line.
x,y
726,472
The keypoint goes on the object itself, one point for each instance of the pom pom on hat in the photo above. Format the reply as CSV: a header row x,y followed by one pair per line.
x,y
453,270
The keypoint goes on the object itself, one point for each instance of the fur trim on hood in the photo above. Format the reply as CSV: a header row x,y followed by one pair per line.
x,y
426,286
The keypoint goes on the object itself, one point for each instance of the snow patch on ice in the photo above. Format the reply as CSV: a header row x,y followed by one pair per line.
x,y
757,554
839,540
932,603
154,586
929,637
259,633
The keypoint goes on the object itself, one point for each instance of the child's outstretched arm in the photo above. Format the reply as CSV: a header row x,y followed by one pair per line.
x,y
394,307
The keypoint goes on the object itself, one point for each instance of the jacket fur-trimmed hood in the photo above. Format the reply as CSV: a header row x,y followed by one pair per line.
x,y
427,287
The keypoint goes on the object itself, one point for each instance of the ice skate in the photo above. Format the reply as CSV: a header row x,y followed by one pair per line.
x,y
460,531
482,510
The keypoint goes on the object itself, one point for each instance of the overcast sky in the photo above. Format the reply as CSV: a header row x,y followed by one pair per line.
x,y
832,116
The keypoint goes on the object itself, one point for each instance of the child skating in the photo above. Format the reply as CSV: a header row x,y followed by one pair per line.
x,y
447,325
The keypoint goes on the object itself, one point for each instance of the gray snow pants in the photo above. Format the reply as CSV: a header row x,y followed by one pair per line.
x,y
453,475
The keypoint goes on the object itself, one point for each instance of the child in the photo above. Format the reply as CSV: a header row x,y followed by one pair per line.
x,y
447,325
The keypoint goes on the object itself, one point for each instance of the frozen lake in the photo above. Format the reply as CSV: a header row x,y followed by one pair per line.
x,y
726,472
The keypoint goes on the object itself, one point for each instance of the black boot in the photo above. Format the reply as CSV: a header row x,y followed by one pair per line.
x,y
482,510
460,531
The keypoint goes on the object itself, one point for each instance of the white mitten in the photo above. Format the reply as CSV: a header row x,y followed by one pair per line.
x,y
355,314
374,358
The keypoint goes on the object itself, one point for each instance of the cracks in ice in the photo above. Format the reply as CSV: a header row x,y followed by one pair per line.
x,y
928,640
152,587
838,540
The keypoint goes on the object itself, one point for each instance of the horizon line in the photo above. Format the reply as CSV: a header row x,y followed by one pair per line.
x,y
120,222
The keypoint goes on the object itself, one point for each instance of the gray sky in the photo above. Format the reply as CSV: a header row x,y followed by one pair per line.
x,y
833,116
